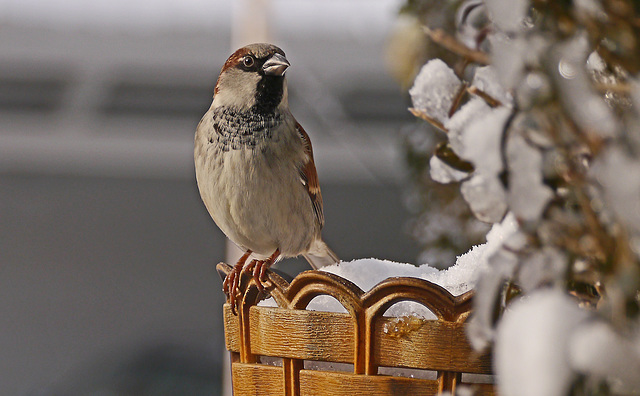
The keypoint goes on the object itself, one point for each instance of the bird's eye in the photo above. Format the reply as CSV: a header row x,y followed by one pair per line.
x,y
248,61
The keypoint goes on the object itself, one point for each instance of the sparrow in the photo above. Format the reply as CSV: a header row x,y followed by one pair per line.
x,y
255,170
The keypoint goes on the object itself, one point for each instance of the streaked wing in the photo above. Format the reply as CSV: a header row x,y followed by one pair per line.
x,y
309,177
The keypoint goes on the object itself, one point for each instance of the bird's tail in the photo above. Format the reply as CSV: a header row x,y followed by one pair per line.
x,y
321,255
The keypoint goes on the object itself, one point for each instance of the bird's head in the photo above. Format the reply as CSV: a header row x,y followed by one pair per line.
x,y
253,79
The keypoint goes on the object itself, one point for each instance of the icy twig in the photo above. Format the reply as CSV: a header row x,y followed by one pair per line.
x,y
449,42
458,99
421,114
491,101
624,89
577,180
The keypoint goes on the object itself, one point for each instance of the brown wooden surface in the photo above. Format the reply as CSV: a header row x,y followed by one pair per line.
x,y
327,383
257,379
448,381
297,334
362,337
481,389
231,329
328,336
435,345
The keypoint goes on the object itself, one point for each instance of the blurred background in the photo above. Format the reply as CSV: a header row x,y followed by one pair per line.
x,y
107,254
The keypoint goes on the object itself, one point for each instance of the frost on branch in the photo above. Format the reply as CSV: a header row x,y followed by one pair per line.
x,y
502,240
485,196
508,15
443,173
434,90
531,351
480,143
596,348
548,117
541,268
486,80
622,189
527,195
480,140
584,104
511,56
462,118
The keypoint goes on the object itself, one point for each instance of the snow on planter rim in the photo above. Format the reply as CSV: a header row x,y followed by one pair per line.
x,y
457,279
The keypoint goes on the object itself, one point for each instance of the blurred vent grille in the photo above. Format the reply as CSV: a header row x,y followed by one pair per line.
x,y
157,100
38,94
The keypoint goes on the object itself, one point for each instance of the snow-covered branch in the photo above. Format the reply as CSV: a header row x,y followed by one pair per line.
x,y
541,101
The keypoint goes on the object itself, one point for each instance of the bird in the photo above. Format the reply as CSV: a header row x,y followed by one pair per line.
x,y
255,170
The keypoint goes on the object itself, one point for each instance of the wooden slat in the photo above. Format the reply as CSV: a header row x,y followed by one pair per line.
x,y
435,345
296,334
481,389
257,379
312,335
231,329
465,359
345,384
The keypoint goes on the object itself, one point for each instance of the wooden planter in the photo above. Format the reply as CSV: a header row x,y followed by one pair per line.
x,y
362,337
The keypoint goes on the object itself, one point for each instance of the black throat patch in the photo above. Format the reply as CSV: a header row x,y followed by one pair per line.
x,y
268,94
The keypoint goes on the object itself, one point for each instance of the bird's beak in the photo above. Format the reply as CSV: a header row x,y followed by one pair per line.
x,y
276,65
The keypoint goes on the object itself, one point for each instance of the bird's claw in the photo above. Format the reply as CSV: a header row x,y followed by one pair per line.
x,y
257,269
231,284
231,288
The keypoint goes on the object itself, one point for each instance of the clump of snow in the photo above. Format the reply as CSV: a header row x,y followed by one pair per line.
x,y
486,197
595,63
443,173
531,352
508,15
461,119
471,19
618,173
595,348
547,266
503,239
434,89
512,57
486,79
544,341
509,58
587,108
500,233
528,195
457,279
366,273
481,139
480,142
534,88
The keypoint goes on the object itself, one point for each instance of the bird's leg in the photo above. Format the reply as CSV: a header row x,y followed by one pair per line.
x,y
231,283
261,267
258,269
251,268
